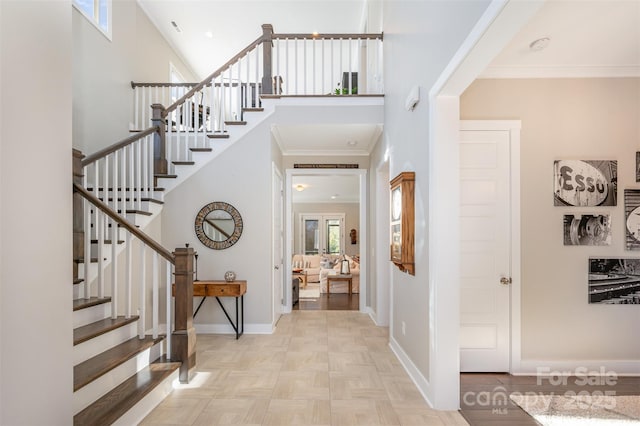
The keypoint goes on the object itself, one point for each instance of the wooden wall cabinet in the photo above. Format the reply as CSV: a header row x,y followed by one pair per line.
x,y
403,221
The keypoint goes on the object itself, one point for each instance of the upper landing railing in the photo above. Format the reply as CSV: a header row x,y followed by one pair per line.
x,y
272,65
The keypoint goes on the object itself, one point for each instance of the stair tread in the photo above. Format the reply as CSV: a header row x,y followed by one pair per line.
x,y
201,149
142,212
218,135
252,109
89,331
78,281
107,241
183,163
165,176
235,123
127,199
91,369
118,401
79,304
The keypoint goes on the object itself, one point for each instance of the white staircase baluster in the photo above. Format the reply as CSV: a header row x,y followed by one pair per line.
x,y
295,68
168,320
100,221
154,295
136,108
286,67
142,288
114,270
128,275
87,243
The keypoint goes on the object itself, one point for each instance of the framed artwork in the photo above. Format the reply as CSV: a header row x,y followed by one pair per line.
x,y
614,281
402,222
632,218
585,183
587,230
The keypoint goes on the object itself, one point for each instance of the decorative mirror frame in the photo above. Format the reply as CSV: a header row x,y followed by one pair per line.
x,y
199,225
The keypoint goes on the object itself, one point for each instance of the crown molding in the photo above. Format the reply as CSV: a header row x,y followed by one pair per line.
x,y
561,72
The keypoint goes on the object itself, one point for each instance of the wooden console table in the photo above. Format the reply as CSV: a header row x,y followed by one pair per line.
x,y
221,288
347,278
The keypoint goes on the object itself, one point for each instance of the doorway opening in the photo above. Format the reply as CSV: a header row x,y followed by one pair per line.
x,y
326,236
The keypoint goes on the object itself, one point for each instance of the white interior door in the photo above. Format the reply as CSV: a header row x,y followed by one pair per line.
x,y
278,246
485,246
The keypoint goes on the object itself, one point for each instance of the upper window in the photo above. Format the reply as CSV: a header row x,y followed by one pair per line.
x,y
98,12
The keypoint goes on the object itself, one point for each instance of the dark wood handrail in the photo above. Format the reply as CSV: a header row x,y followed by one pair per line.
x,y
118,145
213,75
125,224
232,84
328,36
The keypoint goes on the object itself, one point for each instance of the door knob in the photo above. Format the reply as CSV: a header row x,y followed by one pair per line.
x,y
276,267
505,280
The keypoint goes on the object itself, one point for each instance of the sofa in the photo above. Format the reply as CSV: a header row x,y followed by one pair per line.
x,y
341,287
312,264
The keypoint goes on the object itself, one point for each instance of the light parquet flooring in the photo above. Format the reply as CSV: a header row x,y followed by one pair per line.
x,y
318,368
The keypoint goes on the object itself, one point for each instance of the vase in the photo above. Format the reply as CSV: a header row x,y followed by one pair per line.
x,y
229,276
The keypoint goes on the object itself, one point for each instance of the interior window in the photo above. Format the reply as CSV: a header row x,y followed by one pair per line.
x,y
98,12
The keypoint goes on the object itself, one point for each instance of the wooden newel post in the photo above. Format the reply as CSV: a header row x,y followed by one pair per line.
x,y
159,154
78,212
184,336
267,45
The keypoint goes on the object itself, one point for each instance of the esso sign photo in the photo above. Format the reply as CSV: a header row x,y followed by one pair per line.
x,y
581,183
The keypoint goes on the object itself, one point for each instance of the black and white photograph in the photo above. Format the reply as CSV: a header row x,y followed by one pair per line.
x,y
585,183
587,230
614,281
632,218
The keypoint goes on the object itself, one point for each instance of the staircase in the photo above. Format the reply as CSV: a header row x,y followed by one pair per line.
x,y
127,349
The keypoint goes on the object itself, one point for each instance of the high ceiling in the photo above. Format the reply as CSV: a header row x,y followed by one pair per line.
x,y
234,24
598,38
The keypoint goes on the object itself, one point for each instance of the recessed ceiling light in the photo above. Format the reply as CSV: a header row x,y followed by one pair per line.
x,y
209,34
173,23
539,44
299,187
334,196
352,143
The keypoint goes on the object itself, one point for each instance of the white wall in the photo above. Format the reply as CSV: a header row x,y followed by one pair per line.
x,y
240,176
35,176
351,221
103,70
420,37
577,119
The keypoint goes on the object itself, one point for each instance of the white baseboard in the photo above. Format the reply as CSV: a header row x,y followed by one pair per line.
x,y
227,329
530,367
418,379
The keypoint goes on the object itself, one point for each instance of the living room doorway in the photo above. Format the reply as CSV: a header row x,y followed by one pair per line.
x,y
325,238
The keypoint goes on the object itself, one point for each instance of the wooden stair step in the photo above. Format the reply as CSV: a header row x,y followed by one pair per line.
x,y
235,123
183,163
200,149
252,109
81,260
78,281
165,176
91,369
79,304
142,212
101,189
118,401
95,329
218,135
107,241
127,199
